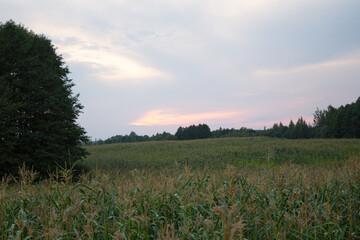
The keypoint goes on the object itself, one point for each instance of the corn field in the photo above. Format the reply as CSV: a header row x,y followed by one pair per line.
x,y
251,188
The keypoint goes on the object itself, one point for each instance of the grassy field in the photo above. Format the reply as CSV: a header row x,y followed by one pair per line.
x,y
218,153
239,188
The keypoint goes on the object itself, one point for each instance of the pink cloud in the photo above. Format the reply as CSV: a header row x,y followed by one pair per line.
x,y
350,61
164,117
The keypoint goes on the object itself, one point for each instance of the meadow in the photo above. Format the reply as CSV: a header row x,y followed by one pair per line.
x,y
233,188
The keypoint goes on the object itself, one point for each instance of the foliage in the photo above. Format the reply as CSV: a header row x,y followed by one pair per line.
x,y
226,132
200,131
163,136
38,109
133,137
342,122
8,119
300,130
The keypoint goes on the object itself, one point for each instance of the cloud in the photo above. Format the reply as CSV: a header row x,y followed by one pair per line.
x,y
322,66
168,117
111,67
113,61
332,78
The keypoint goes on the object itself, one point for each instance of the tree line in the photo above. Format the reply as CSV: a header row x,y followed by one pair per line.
x,y
133,137
342,122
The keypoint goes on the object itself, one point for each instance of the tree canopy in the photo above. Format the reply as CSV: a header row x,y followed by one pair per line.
x,y
342,122
38,109
200,131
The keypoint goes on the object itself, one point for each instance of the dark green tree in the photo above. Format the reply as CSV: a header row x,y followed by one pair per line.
x,y
291,130
8,120
203,131
193,132
181,134
302,130
282,129
320,123
342,122
163,136
355,119
38,108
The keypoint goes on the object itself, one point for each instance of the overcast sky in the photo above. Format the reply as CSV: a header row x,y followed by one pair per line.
x,y
151,66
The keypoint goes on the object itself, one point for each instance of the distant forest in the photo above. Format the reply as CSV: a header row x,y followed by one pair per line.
x,y
342,122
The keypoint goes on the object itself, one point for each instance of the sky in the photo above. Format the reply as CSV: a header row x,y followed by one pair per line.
x,y
150,66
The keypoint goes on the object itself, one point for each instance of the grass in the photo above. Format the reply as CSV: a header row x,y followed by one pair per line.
x,y
252,188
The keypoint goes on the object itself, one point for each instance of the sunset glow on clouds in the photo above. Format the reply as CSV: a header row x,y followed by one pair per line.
x,y
151,66
327,66
163,117
108,59
111,67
